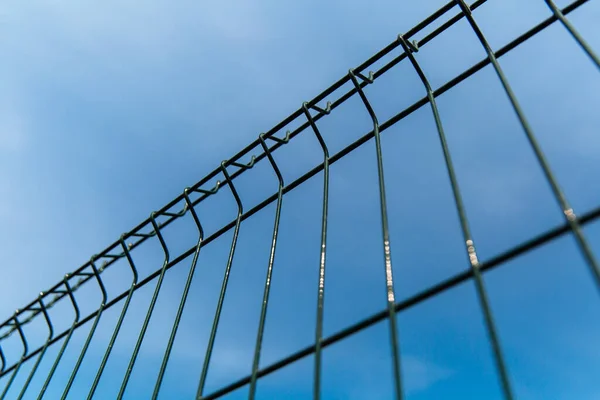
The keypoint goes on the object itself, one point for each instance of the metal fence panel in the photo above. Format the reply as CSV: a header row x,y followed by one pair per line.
x,y
407,45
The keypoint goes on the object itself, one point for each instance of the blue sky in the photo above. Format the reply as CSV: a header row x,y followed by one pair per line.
x,y
108,111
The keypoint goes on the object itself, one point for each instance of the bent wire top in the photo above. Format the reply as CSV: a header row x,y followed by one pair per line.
x,y
263,148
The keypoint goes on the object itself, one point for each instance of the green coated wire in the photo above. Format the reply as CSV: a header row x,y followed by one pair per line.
x,y
18,366
183,300
44,348
387,253
464,223
567,210
91,333
2,359
65,342
321,286
578,38
17,322
117,329
265,301
146,322
215,324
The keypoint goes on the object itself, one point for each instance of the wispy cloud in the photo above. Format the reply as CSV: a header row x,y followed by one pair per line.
x,y
421,374
127,100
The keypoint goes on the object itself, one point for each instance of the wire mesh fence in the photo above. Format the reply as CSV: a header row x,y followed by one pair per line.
x,y
89,276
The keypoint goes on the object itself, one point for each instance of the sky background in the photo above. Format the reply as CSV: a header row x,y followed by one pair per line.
x,y
108,111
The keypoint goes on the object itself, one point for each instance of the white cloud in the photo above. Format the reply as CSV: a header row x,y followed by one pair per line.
x,y
420,374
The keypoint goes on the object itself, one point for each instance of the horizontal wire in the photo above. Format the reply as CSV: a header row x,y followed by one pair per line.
x,y
331,89
493,262
442,89
418,298
233,160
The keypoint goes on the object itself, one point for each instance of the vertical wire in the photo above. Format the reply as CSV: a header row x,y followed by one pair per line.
x,y
44,347
321,287
578,38
265,301
117,329
25,351
215,325
387,253
138,344
92,330
466,231
66,340
184,295
568,212
3,359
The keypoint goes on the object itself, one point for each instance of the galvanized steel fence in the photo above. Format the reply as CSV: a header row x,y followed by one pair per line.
x,y
91,273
